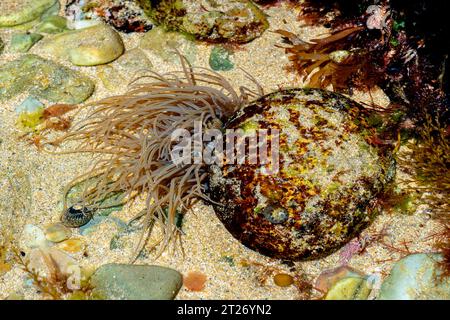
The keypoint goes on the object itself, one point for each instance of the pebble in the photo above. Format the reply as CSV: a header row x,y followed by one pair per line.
x,y
57,232
351,288
329,277
46,260
13,13
52,25
33,237
22,42
220,59
43,79
135,282
30,114
130,65
72,245
283,280
165,43
91,46
30,104
416,277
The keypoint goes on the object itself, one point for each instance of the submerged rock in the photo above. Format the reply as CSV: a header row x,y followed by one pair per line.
x,y
166,43
13,13
57,232
43,79
72,245
23,42
30,113
33,237
130,65
48,261
91,46
416,277
124,15
232,20
315,189
135,282
30,104
352,288
220,59
330,277
52,24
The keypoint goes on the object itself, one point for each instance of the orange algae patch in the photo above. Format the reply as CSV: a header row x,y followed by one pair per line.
x,y
195,281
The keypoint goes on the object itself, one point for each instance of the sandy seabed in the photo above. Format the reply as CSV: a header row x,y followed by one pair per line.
x,y
208,247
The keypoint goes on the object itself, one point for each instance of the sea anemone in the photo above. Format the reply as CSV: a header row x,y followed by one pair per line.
x,y
131,134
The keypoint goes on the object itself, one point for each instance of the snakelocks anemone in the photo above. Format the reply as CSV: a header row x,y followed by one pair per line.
x,y
328,175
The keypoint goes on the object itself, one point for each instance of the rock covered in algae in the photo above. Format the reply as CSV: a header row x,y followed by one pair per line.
x,y
43,79
124,15
232,20
13,13
91,46
329,175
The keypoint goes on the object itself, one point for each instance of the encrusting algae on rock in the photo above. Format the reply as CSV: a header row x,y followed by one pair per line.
x,y
329,175
237,21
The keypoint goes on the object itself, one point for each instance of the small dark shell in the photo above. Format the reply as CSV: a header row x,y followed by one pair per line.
x,y
77,216
330,175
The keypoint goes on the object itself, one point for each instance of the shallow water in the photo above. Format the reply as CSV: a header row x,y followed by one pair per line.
x,y
32,184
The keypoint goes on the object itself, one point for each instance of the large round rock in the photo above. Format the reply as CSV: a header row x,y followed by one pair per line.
x,y
330,173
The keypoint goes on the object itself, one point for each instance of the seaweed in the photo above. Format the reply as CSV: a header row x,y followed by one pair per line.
x,y
379,46
325,61
55,285
49,119
399,47
428,160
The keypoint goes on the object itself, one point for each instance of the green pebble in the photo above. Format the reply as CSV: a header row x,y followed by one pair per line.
x,y
135,282
30,104
22,42
52,24
416,277
352,288
220,59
